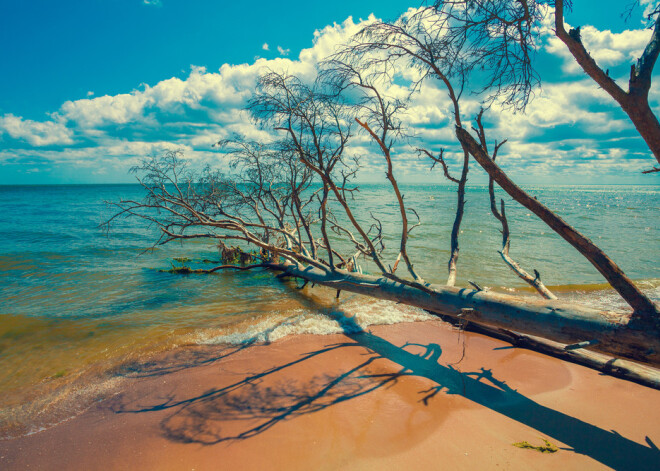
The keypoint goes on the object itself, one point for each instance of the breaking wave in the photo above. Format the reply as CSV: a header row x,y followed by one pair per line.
x,y
354,316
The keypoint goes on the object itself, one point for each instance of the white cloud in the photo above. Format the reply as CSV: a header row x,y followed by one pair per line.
x,y
35,133
570,125
94,112
562,103
282,51
265,47
607,48
649,7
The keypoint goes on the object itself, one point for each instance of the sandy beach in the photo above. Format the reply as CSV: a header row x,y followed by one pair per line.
x,y
406,396
363,236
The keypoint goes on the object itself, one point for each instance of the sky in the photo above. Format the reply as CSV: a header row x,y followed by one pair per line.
x,y
88,87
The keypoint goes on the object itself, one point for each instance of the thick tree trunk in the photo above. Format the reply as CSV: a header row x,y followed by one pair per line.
x,y
634,102
645,121
644,308
616,334
629,370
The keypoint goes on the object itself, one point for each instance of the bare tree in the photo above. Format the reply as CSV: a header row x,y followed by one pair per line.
x,y
634,101
415,41
460,205
284,213
294,198
378,116
500,215
501,38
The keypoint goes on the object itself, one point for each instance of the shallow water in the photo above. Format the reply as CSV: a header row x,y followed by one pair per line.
x,y
77,303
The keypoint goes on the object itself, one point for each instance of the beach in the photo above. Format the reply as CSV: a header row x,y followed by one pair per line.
x,y
360,236
107,361
419,395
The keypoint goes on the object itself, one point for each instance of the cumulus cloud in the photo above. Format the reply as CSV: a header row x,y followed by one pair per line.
x,y
35,133
282,51
571,125
649,7
265,47
607,48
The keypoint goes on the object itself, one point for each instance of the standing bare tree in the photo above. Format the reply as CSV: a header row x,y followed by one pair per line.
x,y
634,101
501,38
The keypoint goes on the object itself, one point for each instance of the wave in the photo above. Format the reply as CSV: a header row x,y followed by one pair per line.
x,y
40,411
354,316
596,295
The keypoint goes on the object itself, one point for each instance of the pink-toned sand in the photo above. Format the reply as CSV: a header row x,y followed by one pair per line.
x,y
406,396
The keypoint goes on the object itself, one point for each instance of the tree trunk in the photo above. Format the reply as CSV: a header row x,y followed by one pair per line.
x,y
625,369
644,308
614,333
645,121
634,102
456,228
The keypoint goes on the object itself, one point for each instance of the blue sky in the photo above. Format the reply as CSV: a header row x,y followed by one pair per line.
x,y
90,86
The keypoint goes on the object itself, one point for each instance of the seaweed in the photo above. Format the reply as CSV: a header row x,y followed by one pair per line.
x,y
183,270
182,259
229,255
547,448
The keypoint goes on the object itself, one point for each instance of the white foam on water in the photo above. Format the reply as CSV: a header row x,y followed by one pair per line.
x,y
353,316
608,299
55,408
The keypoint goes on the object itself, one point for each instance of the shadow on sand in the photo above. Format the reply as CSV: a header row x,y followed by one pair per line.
x,y
251,406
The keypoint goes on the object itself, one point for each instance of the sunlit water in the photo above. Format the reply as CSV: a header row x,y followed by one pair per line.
x,y
78,303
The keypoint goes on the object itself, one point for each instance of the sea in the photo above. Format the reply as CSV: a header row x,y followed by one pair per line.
x,y
80,303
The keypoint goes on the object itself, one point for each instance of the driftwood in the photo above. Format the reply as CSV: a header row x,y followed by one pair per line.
x,y
534,281
617,367
282,197
575,352
616,333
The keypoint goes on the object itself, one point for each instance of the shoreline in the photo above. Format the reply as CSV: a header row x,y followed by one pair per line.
x,y
417,393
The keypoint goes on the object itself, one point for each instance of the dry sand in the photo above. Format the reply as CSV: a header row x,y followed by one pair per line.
x,y
406,396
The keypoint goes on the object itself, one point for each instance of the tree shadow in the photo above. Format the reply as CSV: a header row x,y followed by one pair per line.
x,y
190,356
252,405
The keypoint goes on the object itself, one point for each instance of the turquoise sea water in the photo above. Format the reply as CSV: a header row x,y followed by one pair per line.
x,y
78,302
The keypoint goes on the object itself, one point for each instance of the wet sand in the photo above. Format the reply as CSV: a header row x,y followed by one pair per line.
x,y
406,396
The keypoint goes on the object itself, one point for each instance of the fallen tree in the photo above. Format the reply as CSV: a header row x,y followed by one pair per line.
x,y
294,198
445,43
186,205
615,333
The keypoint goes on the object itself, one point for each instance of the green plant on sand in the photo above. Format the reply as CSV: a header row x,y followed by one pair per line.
x,y
547,448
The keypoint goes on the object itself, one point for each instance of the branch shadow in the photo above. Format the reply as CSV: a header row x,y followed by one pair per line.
x,y
250,406
190,356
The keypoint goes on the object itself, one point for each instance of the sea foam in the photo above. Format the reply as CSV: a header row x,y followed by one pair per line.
x,y
354,316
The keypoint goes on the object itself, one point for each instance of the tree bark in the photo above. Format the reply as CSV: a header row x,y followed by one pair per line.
x,y
456,228
625,369
616,334
645,121
644,308
634,102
